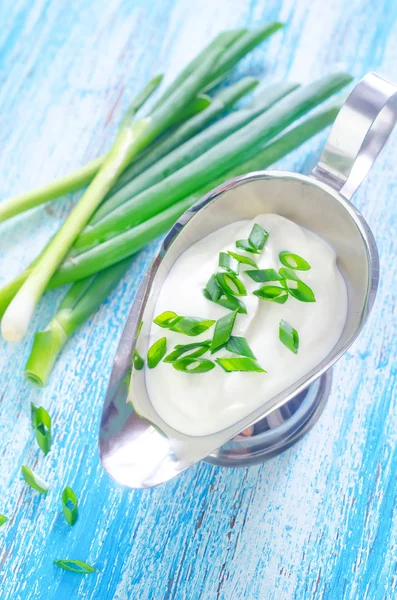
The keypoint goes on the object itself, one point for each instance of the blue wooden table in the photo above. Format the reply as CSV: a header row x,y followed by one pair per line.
x,y
320,520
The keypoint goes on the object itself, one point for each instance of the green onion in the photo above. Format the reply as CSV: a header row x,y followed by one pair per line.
x,y
243,259
274,293
81,301
239,345
34,480
199,348
231,284
130,242
220,158
76,566
42,428
229,263
73,181
70,506
191,326
223,330
156,352
227,301
3,519
138,361
294,261
135,179
33,409
166,319
130,140
193,365
288,274
301,292
239,364
264,275
258,237
288,336
256,240
180,157
223,40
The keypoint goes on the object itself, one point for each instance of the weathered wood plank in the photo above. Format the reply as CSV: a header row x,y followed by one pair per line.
x,y
316,522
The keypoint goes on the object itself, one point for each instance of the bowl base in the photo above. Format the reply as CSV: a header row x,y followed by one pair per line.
x,y
278,431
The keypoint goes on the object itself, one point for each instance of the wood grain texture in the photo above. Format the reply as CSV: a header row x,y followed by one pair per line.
x,y
318,522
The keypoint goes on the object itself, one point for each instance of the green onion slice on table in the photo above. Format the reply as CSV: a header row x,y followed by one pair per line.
x,y
293,261
34,480
193,365
288,336
239,364
223,330
3,519
239,345
156,352
194,350
70,506
42,426
76,566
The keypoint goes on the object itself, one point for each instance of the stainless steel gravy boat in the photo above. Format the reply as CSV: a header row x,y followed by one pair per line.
x,y
137,448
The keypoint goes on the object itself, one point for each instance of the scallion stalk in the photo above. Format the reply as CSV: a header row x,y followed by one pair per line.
x,y
183,155
130,242
73,181
80,302
227,154
131,139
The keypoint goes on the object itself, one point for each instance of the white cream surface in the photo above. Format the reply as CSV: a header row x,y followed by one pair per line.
x,y
201,404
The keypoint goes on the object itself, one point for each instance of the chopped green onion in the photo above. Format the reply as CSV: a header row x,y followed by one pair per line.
x,y
256,240
138,361
35,481
199,348
231,284
245,245
188,325
264,275
166,319
243,259
288,274
239,364
33,409
42,427
223,330
301,292
257,237
227,301
239,345
294,261
213,289
229,263
3,519
70,506
76,566
156,352
274,293
288,336
193,365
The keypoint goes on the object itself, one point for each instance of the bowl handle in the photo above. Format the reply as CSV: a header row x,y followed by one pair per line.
x,y
359,133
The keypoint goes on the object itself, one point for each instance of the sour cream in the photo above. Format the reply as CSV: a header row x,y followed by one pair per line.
x,y
201,404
